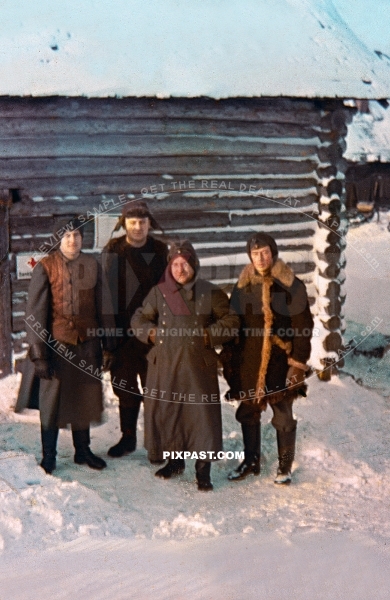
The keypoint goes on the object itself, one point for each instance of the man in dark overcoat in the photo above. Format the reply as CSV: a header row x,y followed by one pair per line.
x,y
65,311
184,317
133,264
269,362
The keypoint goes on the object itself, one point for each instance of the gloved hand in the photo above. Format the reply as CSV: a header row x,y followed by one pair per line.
x,y
108,360
152,335
43,369
295,377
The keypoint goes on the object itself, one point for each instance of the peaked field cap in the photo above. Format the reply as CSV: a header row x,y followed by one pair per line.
x,y
141,210
184,248
260,240
72,224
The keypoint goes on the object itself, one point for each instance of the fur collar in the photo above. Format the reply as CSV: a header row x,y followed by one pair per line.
x,y
279,271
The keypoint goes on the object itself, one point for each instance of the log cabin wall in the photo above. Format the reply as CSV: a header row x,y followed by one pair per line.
x,y
67,156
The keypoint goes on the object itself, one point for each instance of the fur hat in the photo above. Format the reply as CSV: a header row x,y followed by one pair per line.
x,y
260,240
137,209
184,248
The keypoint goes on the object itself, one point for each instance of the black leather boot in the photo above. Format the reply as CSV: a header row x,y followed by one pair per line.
x,y
251,463
128,442
174,466
83,455
286,452
203,469
49,449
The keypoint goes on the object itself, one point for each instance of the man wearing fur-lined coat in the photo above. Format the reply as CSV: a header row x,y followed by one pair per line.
x,y
268,363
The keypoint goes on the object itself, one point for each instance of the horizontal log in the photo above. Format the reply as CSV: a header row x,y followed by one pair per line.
x,y
19,287
218,235
227,235
13,170
20,226
332,153
34,243
280,110
327,171
137,186
34,225
154,145
333,342
337,118
176,201
271,219
18,324
179,168
38,127
241,249
18,346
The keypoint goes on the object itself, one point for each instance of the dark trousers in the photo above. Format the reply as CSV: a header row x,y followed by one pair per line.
x,y
248,413
130,361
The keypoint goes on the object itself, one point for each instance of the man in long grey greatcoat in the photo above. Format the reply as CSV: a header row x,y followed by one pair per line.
x,y
184,317
65,312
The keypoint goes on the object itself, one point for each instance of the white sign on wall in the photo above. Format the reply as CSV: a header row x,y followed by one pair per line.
x,y
25,264
104,227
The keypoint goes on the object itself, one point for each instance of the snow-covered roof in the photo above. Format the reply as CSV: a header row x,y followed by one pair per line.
x,y
368,136
190,48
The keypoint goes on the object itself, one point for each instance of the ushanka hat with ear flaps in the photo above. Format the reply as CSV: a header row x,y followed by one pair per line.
x,y
260,240
136,209
185,249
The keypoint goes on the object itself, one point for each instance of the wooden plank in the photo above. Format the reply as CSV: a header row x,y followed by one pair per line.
x,y
241,249
18,323
35,243
82,186
179,201
278,110
5,288
16,169
226,235
269,219
41,127
31,225
41,225
19,287
35,225
155,145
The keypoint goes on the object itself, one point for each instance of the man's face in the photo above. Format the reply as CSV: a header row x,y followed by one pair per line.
x,y
137,229
181,270
262,259
71,244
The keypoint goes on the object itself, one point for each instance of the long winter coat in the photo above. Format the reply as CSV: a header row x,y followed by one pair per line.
x,y
181,399
275,332
67,307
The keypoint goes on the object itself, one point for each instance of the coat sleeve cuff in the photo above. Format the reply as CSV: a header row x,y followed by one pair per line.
x,y
295,363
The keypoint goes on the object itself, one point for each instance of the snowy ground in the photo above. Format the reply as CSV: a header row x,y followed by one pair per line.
x,y
102,532
123,534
